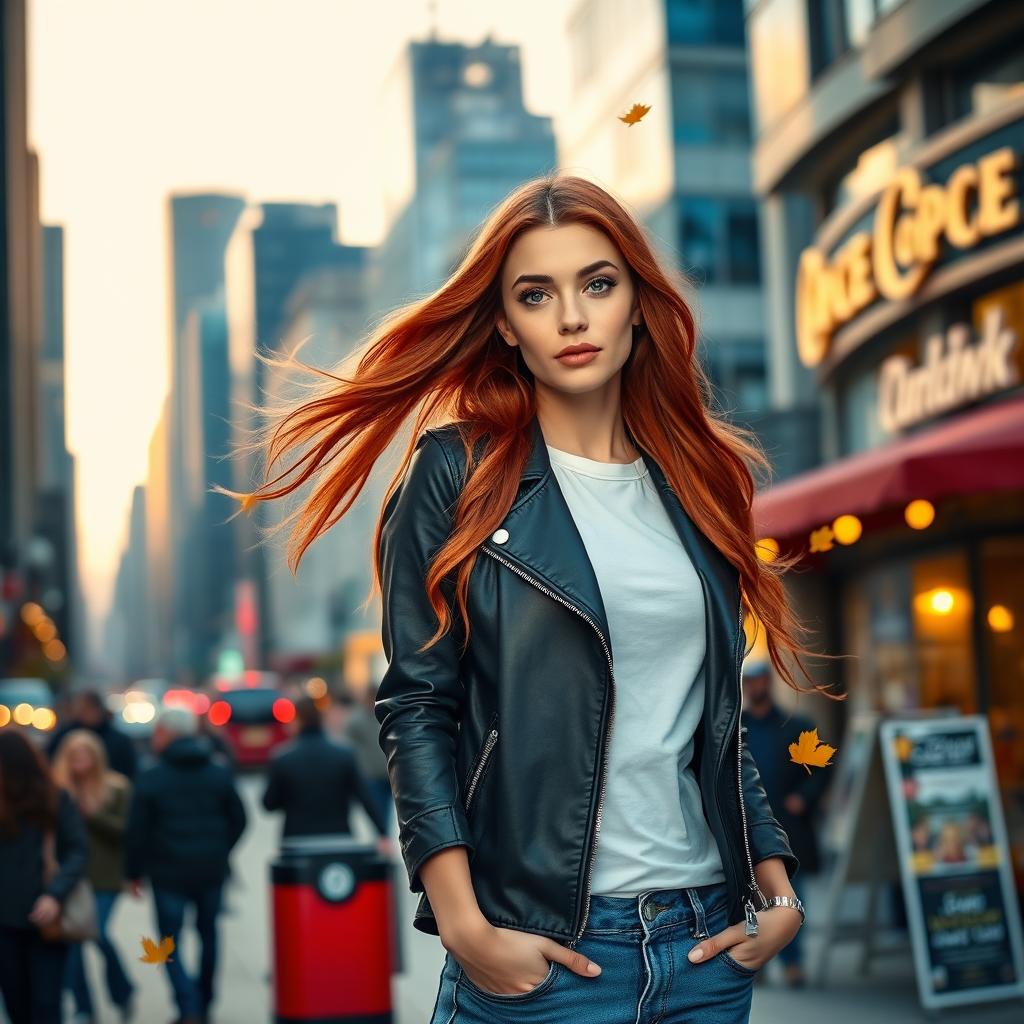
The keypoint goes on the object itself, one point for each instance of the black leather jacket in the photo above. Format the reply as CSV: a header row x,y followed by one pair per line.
x,y
504,748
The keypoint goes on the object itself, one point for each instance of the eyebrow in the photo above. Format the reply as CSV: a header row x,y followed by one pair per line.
x,y
547,279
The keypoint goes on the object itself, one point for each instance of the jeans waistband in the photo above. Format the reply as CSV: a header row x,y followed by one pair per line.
x,y
656,908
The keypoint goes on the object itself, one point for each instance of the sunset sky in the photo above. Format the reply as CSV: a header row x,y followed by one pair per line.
x,y
130,100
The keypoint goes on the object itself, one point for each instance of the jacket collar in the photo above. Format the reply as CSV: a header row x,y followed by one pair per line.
x,y
544,540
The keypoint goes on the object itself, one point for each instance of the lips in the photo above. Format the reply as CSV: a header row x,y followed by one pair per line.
x,y
576,349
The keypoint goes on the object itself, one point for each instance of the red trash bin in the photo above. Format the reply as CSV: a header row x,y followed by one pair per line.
x,y
333,923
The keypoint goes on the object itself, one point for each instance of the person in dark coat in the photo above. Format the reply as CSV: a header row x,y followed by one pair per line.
x,y
186,817
314,780
794,795
31,968
89,712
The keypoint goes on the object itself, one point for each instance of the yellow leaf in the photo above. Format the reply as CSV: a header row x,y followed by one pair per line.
x,y
248,501
634,114
154,954
809,750
821,540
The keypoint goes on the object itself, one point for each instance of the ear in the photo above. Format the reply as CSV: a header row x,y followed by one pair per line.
x,y
504,331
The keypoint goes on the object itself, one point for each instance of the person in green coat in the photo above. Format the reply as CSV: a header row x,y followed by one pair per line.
x,y
103,797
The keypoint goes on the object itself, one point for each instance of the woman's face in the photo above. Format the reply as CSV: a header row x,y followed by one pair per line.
x,y
549,305
80,760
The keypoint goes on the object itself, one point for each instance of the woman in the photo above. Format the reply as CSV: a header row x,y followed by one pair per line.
x,y
575,801
102,797
30,806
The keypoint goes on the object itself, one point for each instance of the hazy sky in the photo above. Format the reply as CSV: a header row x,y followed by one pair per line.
x,y
130,100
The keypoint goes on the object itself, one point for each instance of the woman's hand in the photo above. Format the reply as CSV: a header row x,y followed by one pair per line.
x,y
775,928
45,911
507,961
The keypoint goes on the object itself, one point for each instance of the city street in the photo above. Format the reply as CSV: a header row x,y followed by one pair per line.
x,y
245,994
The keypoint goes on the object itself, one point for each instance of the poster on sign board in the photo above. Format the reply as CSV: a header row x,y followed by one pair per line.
x,y
954,862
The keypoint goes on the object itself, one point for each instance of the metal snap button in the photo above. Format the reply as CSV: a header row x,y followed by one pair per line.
x,y
649,911
499,536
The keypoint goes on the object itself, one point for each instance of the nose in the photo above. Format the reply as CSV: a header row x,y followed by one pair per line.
x,y
572,322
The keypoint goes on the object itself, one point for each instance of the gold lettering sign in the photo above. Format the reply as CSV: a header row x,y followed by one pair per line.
x,y
893,259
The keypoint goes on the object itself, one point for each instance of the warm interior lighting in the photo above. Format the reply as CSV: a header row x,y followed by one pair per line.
x,y
919,514
1000,619
847,529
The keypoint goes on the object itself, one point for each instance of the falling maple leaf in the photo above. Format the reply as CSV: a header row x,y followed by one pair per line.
x,y
821,540
809,750
633,115
155,954
248,500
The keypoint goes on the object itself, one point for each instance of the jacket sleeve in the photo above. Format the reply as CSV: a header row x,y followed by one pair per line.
x,y
71,846
420,697
273,794
767,837
138,829
234,811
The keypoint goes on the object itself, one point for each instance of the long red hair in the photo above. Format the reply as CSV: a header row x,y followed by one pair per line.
x,y
441,358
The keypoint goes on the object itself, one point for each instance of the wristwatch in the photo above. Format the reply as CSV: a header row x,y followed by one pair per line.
x,y
786,901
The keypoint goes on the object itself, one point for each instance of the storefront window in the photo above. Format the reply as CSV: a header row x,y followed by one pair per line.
x,y
1002,572
909,626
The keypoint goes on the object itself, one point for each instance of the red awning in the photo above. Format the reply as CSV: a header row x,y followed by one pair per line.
x,y
976,452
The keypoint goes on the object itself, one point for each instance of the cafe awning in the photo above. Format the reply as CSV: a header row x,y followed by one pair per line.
x,y
980,451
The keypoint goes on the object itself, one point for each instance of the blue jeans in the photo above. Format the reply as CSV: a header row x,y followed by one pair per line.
x,y
640,944
118,983
193,996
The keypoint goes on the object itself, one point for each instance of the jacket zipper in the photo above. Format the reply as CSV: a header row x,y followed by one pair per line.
x,y
492,738
749,911
611,714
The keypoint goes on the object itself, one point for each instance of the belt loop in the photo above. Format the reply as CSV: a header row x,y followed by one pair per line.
x,y
700,927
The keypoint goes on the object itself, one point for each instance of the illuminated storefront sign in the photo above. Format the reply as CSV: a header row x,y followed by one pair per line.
x,y
916,223
954,372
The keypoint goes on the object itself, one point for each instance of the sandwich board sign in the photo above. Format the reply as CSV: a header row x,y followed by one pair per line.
x,y
953,858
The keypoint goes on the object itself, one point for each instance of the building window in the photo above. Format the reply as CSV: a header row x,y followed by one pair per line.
x,y
986,82
705,21
719,239
710,107
826,26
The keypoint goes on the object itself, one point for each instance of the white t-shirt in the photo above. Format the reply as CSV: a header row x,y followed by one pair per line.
x,y
653,831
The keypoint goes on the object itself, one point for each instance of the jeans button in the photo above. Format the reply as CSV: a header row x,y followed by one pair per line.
x,y
649,911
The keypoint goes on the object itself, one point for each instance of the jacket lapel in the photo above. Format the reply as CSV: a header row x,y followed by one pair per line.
x,y
544,540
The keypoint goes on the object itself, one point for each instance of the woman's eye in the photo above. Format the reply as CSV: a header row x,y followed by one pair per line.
x,y
524,296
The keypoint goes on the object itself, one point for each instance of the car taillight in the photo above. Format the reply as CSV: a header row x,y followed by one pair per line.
x,y
220,712
283,710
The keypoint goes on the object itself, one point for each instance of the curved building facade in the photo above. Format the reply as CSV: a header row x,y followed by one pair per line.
x,y
888,161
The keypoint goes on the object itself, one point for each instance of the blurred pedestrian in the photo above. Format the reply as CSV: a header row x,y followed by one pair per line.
x,y
363,732
89,712
32,805
185,818
314,780
793,795
102,797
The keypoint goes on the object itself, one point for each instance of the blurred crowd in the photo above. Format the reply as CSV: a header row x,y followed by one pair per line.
x,y
86,816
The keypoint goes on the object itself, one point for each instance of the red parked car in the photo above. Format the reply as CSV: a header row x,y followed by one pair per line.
x,y
252,721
